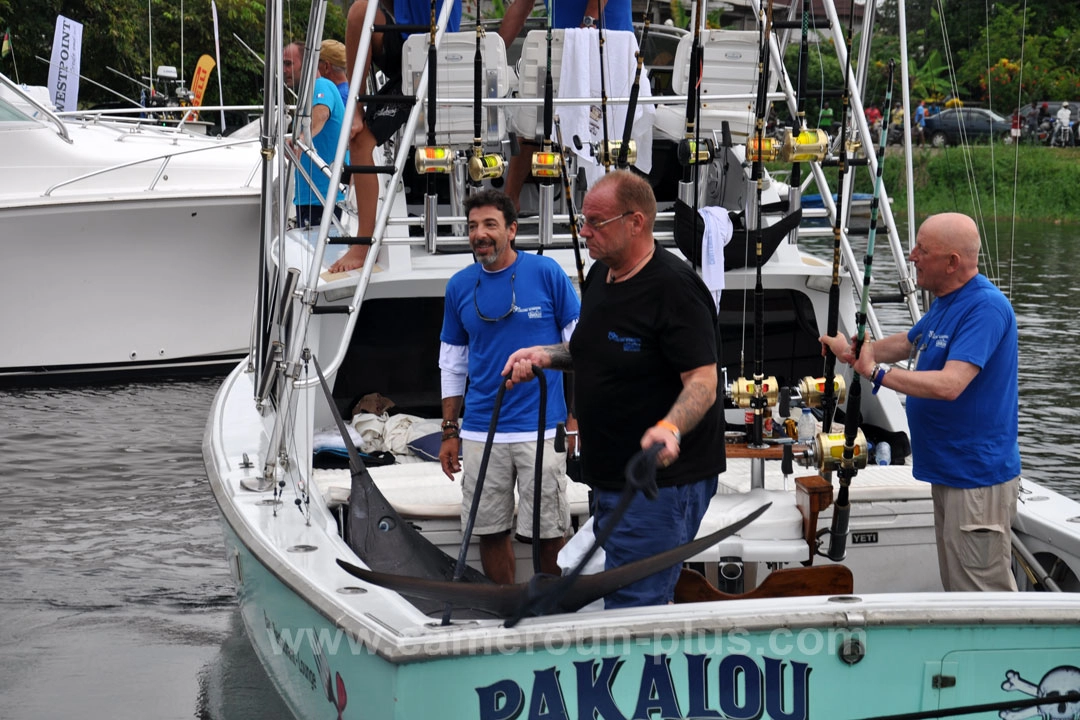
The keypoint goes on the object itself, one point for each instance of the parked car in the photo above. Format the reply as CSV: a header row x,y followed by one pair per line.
x,y
959,125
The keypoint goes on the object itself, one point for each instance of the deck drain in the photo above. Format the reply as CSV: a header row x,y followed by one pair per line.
x,y
303,548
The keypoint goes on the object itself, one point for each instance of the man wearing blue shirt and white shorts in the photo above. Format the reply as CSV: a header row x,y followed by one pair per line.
x,y
505,300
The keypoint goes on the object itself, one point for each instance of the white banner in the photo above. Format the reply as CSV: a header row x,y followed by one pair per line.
x,y
64,68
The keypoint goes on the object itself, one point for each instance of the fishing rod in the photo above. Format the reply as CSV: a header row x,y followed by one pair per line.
x,y
431,159
482,166
625,150
849,463
691,153
568,195
605,152
543,162
854,451
759,401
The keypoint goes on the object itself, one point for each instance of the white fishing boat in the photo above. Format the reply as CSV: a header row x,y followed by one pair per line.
x,y
795,635
127,246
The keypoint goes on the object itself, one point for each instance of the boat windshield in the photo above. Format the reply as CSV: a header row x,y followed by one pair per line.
x,y
10,113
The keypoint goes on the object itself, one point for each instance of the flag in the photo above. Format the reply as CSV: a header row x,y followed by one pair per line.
x,y
7,44
198,82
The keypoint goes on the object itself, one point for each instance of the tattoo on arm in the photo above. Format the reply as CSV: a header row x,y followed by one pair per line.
x,y
690,407
560,357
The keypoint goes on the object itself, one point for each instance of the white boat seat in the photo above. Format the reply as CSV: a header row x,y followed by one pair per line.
x,y
528,120
730,61
776,536
421,490
456,57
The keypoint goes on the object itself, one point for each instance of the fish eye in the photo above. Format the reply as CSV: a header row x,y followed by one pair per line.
x,y
387,524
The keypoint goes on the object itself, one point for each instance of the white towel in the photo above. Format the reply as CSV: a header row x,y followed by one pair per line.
x,y
718,232
580,77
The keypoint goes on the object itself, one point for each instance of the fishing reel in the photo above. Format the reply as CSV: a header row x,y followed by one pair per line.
x,y
812,390
827,452
485,166
613,148
433,159
545,164
692,152
744,390
764,149
807,146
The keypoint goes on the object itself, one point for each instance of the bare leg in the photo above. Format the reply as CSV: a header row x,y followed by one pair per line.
x,y
361,141
549,555
497,557
519,170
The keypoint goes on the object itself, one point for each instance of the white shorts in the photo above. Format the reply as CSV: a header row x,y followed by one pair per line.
x,y
512,464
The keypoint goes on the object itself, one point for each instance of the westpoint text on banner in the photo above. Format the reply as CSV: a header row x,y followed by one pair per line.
x,y
64,68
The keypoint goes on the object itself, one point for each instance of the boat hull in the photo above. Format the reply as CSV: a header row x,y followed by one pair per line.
x,y
145,281
787,662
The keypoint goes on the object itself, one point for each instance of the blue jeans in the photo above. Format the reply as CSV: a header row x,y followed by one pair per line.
x,y
650,527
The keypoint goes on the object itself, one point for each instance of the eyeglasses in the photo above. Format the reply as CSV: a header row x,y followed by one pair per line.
x,y
582,221
513,301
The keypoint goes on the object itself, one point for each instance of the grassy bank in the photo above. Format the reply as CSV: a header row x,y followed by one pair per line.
x,y
1045,181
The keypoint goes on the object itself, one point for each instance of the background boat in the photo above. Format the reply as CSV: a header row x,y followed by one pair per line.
x,y
127,246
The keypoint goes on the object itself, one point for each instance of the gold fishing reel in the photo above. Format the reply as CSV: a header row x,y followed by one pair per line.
x,y
545,164
813,390
433,159
614,146
744,390
807,146
767,150
829,451
485,166
691,152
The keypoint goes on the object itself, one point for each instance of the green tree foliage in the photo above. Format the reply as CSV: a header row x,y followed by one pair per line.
x,y
133,37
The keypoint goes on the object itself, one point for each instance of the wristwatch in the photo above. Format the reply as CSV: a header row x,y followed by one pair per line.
x,y
588,21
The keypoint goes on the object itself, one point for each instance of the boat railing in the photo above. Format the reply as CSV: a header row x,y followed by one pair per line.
x,y
157,118
163,159
47,112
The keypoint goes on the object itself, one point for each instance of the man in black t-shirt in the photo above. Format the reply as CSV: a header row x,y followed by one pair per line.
x,y
644,355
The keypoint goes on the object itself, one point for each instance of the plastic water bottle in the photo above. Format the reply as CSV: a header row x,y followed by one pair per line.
x,y
807,426
883,453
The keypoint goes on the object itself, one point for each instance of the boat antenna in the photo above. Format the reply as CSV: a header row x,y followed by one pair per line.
x,y
623,160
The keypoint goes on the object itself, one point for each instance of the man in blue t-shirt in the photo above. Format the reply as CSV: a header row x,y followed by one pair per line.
x,y
503,301
962,403
327,115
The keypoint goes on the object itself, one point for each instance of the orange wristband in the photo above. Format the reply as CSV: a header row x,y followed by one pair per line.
x,y
672,428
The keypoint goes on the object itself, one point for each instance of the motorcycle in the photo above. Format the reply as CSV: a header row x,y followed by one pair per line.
x,y
1062,135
